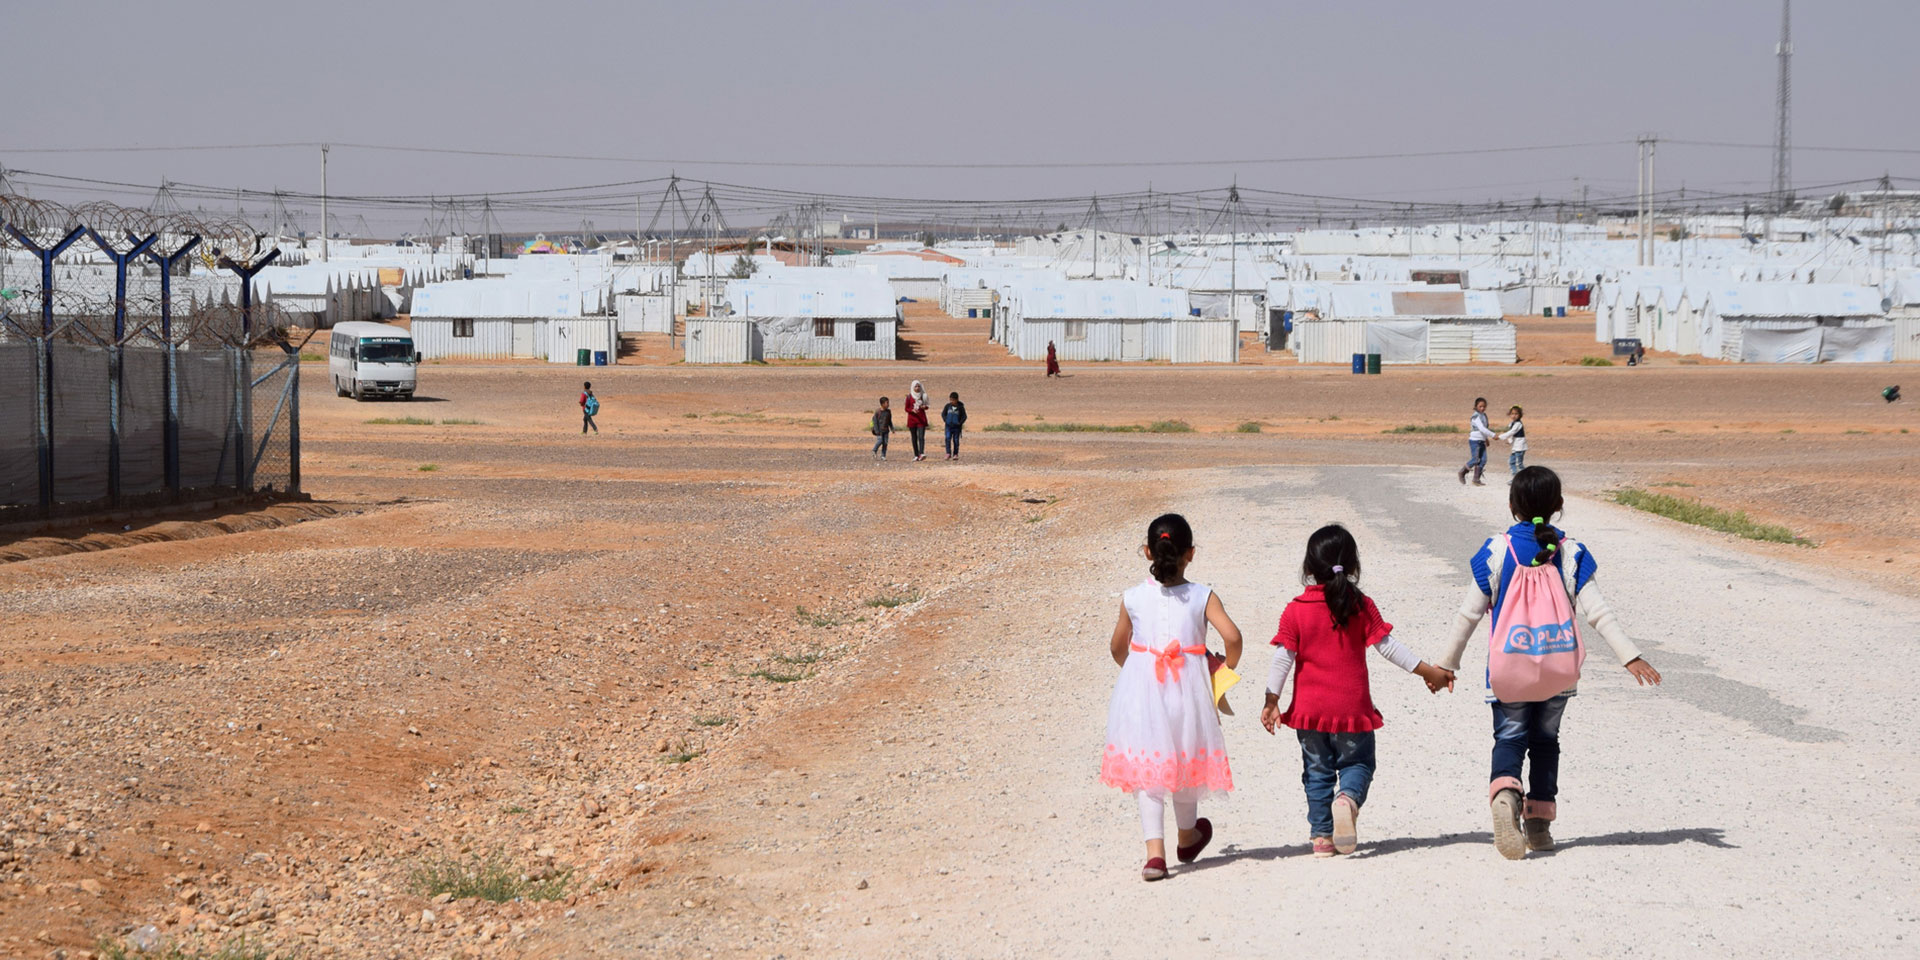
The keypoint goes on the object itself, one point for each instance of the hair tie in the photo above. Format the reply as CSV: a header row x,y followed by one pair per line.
x,y
1537,521
1338,569
1164,535
1551,547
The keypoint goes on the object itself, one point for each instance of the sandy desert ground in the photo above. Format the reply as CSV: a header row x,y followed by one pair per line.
x,y
739,691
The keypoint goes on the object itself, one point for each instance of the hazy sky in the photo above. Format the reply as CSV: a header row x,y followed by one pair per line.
x,y
988,82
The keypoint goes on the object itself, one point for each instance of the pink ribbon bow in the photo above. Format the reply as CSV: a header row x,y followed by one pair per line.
x,y
1169,661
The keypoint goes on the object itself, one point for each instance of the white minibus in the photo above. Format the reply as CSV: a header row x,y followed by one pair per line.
x,y
371,360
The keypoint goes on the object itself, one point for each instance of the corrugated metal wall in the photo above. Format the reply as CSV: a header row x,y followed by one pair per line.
x,y
917,289
1493,343
1449,343
719,340
1906,338
1328,341
492,338
1205,341
1105,339
596,334
792,338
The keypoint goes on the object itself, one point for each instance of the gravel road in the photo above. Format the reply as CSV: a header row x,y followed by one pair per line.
x,y
1760,803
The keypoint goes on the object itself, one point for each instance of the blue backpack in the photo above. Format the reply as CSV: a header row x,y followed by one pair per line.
x,y
593,405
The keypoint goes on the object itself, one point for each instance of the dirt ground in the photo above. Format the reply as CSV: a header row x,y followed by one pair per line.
x,y
631,660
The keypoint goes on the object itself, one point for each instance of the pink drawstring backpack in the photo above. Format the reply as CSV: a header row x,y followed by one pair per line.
x,y
1535,652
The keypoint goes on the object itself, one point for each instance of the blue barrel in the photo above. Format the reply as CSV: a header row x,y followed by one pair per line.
x,y
599,358
1560,311
973,313
1360,363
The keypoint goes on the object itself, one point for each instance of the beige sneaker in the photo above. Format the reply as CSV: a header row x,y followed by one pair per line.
x,y
1323,847
1539,834
1507,836
1346,830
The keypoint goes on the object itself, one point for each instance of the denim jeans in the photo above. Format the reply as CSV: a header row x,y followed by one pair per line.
x,y
880,445
1529,732
953,442
1327,759
1476,457
919,435
1516,461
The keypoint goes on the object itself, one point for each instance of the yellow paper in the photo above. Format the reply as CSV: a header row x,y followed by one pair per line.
x,y
1223,680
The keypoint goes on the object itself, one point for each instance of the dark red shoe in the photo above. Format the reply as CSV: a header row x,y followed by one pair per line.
x,y
1190,854
1156,869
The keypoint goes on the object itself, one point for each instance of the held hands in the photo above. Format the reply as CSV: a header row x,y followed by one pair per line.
x,y
1643,672
1270,714
1435,677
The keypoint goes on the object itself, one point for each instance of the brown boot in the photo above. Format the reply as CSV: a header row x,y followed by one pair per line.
x,y
1538,825
1539,836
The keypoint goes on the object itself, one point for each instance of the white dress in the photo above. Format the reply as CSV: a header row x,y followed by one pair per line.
x,y
1163,734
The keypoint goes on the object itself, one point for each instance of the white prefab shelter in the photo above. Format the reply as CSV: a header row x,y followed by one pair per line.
x,y
815,313
1795,323
508,318
719,340
1405,323
644,312
1109,320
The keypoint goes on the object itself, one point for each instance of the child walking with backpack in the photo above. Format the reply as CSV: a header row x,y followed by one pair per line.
x,y
1539,584
1323,639
589,408
882,427
1163,731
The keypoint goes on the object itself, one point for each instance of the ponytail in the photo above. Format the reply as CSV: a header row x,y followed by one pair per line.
x,y
1535,496
1169,537
1333,561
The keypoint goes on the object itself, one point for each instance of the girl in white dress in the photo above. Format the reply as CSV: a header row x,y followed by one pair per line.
x,y
1163,733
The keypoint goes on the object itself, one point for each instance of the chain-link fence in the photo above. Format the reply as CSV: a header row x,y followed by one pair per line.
x,y
110,398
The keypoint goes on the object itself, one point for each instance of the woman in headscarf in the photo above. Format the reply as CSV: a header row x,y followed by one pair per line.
x,y
917,419
1053,361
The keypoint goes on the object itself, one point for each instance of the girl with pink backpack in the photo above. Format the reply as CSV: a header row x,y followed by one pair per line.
x,y
1539,584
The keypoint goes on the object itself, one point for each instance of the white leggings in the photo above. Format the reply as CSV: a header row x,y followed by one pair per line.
x,y
1153,814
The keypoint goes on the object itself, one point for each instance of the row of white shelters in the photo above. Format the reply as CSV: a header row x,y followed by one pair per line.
x,y
1403,323
800,313
1716,313
1793,323
508,317
972,291
1109,320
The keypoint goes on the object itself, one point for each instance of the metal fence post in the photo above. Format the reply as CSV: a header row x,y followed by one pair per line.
x,y
46,255
170,429
243,409
116,379
293,426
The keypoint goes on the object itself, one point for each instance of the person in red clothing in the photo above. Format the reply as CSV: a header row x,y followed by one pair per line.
x,y
1053,361
1323,638
917,419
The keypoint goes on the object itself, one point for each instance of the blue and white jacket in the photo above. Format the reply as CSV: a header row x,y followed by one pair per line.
x,y
1492,570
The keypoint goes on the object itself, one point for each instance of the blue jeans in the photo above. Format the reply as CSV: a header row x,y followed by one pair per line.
x,y
880,444
1516,461
1330,758
1476,458
1529,731
953,441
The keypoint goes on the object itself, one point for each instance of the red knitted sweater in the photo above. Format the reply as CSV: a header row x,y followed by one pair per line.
x,y
1330,692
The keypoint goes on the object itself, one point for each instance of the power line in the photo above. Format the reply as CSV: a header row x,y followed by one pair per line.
x,y
828,164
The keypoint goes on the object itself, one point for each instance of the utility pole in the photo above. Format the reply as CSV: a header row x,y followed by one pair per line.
x,y
1233,251
323,203
1783,102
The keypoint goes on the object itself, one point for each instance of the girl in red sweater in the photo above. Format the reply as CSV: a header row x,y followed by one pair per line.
x,y
1323,638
